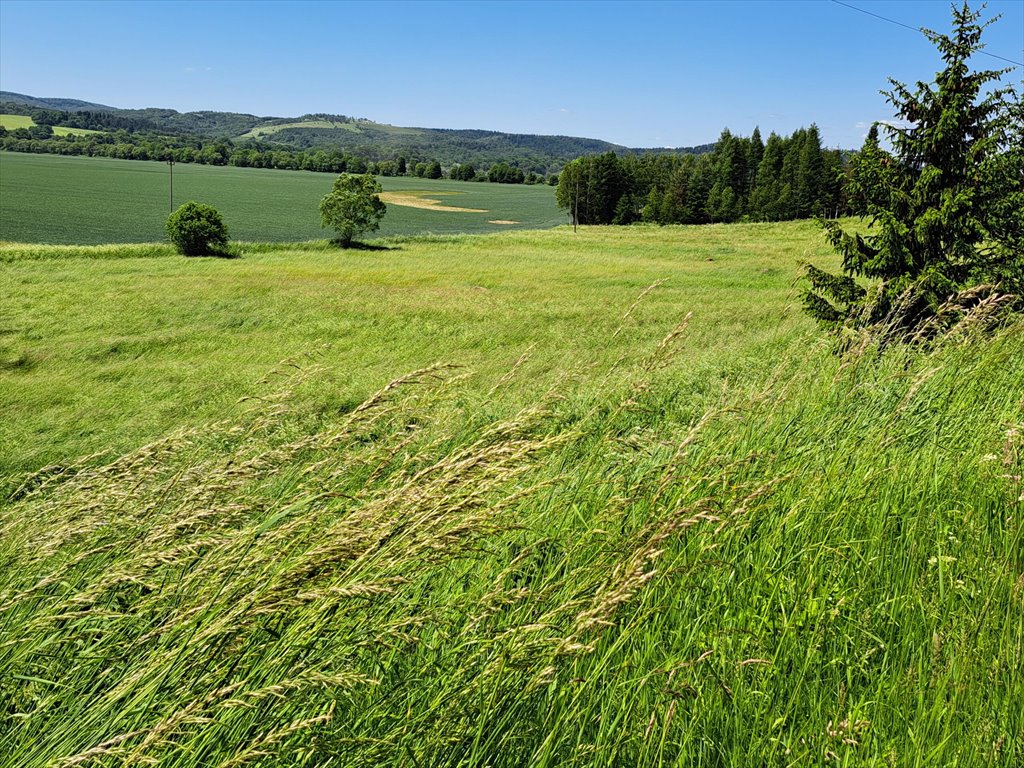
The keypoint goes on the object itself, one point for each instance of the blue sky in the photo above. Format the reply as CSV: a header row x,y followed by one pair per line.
x,y
639,74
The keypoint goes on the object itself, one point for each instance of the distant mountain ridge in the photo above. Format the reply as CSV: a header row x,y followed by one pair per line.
x,y
369,139
67,105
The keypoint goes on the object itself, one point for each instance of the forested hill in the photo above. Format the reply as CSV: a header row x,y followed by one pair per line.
x,y
367,139
69,105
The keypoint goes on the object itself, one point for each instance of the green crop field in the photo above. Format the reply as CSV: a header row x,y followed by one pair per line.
x,y
84,200
534,498
11,122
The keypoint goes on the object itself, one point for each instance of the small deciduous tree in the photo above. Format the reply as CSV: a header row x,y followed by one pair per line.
x,y
948,202
433,170
503,173
352,207
197,230
463,172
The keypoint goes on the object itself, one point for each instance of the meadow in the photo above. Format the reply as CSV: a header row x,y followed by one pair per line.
x,y
111,346
12,122
525,499
269,130
88,201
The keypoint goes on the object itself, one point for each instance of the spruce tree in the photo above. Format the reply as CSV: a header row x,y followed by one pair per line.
x,y
724,202
945,207
809,174
756,152
832,197
764,197
701,182
867,173
787,205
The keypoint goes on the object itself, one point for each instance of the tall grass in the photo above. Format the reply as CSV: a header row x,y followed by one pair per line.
x,y
817,565
108,353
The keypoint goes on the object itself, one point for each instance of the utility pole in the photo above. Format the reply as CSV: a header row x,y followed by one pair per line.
x,y
170,165
576,206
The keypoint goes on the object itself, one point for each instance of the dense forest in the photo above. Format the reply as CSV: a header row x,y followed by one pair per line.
x,y
742,179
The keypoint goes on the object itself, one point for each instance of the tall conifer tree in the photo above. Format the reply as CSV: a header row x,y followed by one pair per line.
x,y
754,157
946,204
867,173
809,174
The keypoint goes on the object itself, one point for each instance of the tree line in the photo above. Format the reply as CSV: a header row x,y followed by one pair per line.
x,y
125,145
743,178
373,142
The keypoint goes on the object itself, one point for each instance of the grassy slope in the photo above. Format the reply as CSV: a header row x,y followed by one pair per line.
x,y
10,122
97,350
269,130
724,547
102,200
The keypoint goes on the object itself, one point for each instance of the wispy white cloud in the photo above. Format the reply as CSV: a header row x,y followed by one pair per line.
x,y
196,70
863,124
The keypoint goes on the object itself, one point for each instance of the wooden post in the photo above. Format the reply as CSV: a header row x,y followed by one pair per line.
x,y
170,165
576,208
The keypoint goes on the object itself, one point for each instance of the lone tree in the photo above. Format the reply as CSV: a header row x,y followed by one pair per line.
x,y
197,230
948,202
352,207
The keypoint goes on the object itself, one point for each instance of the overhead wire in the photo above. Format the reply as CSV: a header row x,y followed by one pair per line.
x,y
917,29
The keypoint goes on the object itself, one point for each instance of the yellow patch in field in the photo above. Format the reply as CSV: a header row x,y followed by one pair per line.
x,y
502,221
414,199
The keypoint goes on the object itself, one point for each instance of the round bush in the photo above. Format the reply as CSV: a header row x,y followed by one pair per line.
x,y
197,230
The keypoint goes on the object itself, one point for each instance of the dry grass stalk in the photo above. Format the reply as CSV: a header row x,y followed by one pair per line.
x,y
663,353
671,472
512,372
264,745
639,299
107,748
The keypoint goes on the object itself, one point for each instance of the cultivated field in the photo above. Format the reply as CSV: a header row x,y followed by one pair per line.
x,y
85,200
586,523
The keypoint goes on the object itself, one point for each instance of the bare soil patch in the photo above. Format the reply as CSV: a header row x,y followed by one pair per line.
x,y
412,199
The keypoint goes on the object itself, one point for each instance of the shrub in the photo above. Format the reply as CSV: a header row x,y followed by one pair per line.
x,y
197,230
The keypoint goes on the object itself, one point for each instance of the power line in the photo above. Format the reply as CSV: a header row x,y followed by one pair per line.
x,y
917,29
